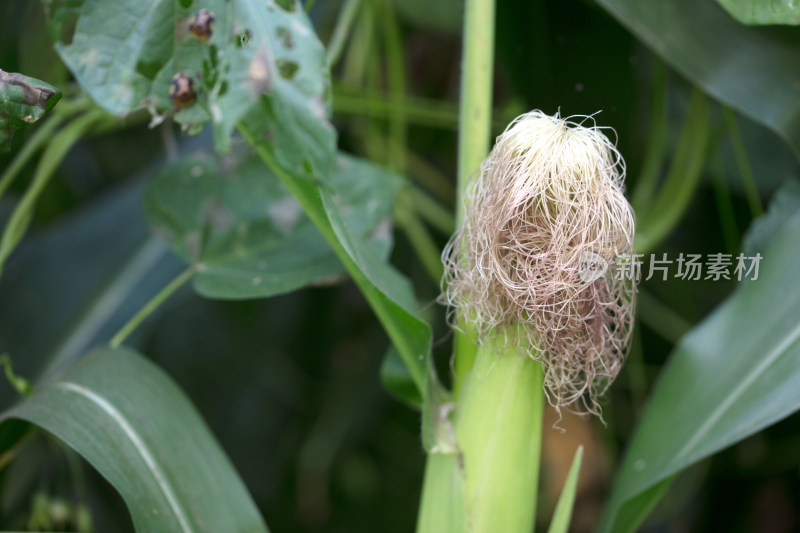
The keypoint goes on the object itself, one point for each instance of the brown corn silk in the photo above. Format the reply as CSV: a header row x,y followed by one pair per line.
x,y
549,195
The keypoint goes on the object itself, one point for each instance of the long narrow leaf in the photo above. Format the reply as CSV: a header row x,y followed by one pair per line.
x,y
563,513
135,426
733,375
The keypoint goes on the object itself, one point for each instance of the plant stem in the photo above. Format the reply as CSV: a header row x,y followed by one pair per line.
x,y
442,504
498,428
396,76
656,140
36,141
739,151
55,152
425,247
499,431
151,306
439,216
433,179
342,30
722,194
474,131
420,111
682,180
475,115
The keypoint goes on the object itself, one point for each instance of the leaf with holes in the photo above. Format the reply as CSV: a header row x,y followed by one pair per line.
x,y
720,385
247,237
389,294
256,61
128,419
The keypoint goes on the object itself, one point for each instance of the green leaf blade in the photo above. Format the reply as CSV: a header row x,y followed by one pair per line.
x,y
733,375
133,424
763,11
262,66
562,516
244,233
750,69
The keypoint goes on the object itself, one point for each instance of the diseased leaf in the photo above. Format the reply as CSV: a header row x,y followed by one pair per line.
x,y
258,62
387,291
733,375
23,101
763,11
128,419
246,235
754,70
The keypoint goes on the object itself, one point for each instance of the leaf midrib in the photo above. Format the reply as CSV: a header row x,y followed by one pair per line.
x,y
139,445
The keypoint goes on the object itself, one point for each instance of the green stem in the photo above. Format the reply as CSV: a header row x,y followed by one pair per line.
x,y
498,429
661,318
20,384
722,193
746,171
474,131
425,247
442,502
475,115
360,51
396,76
59,146
432,178
310,5
342,30
419,111
151,306
682,180
637,375
432,211
656,140
42,135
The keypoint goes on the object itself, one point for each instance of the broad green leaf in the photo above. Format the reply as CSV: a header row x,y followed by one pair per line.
x,y
23,101
733,375
261,64
763,11
562,516
79,282
754,70
128,419
246,235
386,290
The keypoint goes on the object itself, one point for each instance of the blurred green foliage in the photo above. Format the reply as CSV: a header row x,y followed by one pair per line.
x,y
289,385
